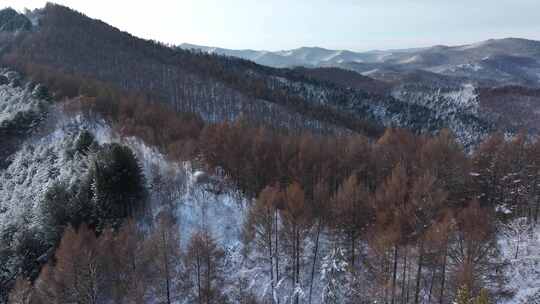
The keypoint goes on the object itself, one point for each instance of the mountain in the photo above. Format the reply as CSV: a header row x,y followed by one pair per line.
x,y
404,88
500,61
304,56
220,88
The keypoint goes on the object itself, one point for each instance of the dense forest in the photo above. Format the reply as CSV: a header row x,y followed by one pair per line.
x,y
400,219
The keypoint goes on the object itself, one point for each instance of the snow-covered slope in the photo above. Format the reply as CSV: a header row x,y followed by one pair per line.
x,y
520,250
202,200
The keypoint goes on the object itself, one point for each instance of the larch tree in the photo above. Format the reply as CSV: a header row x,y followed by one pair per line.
x,y
204,267
22,293
320,213
295,229
393,212
438,238
486,170
474,249
426,201
447,162
129,264
352,214
533,178
77,274
259,229
164,246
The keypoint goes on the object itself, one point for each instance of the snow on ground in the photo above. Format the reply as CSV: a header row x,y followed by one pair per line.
x,y
38,165
466,97
221,213
522,273
15,99
451,100
45,160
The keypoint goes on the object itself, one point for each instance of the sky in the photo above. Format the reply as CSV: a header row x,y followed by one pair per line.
x,y
359,25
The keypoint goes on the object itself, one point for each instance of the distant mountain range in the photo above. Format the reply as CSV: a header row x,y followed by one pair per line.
x,y
304,56
495,61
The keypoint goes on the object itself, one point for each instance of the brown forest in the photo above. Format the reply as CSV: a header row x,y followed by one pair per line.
x,y
417,213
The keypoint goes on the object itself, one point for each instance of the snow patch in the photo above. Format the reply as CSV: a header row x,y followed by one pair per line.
x,y
522,272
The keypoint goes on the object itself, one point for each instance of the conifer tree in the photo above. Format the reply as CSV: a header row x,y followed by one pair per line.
x,y
164,246
85,142
204,268
77,276
352,213
259,230
57,211
295,227
118,185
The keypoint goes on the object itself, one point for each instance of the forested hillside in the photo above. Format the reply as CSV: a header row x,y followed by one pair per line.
x,y
215,87
326,215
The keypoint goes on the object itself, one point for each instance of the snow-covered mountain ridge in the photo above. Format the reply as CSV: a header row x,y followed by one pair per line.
x,y
502,61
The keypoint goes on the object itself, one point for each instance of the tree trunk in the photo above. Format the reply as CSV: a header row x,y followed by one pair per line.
x,y
431,285
353,249
166,264
315,252
297,249
208,281
270,256
384,275
404,276
276,247
517,244
537,210
199,277
408,282
419,273
443,278
394,275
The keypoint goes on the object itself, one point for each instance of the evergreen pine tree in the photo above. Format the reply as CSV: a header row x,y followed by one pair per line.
x,y
85,142
119,186
56,211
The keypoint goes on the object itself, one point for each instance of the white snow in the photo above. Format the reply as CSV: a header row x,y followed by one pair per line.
x,y
411,59
14,100
38,165
522,273
466,97
370,72
473,45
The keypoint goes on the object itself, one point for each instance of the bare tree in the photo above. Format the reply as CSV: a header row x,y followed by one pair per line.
x,y
204,268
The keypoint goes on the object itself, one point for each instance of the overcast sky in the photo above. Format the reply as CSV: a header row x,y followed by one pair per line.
x,y
337,24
